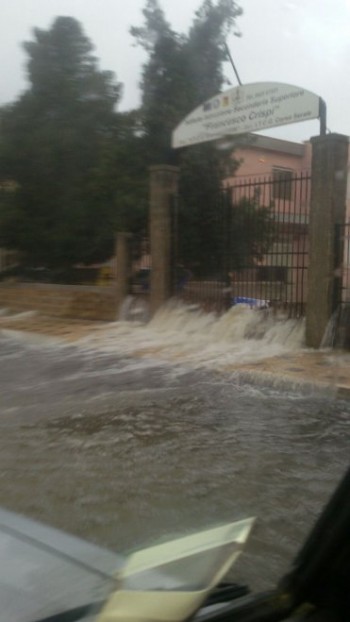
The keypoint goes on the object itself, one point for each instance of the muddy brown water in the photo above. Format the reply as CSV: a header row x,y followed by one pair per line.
x,y
127,452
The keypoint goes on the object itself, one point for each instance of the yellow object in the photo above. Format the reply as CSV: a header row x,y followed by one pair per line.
x,y
170,581
105,275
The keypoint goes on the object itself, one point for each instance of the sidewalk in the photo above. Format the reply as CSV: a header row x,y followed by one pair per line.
x,y
328,370
307,368
62,328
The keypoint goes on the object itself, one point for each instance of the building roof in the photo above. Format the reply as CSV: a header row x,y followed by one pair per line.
x,y
267,143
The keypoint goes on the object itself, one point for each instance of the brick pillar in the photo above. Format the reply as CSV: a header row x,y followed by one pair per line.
x,y
163,185
123,267
328,209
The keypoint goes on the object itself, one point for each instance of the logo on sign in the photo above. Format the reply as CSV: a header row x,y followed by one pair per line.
x,y
215,104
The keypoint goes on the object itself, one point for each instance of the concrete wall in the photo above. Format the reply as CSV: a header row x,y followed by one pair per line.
x,y
70,301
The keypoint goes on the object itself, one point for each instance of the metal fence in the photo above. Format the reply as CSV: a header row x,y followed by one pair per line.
x,y
249,245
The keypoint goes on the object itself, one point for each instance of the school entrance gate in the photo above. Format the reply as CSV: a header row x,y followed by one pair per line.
x,y
249,244
299,260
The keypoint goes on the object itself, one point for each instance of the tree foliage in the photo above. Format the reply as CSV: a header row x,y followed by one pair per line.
x,y
251,232
182,70
58,141
237,235
81,169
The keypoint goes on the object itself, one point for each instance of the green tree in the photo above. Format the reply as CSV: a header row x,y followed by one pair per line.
x,y
121,177
182,71
54,140
251,230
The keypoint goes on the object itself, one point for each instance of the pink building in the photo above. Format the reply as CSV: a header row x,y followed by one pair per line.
x,y
276,174
262,156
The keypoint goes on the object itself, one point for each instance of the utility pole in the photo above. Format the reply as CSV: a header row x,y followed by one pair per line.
x,y
232,63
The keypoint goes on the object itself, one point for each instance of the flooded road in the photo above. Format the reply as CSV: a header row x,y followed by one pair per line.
x,y
125,451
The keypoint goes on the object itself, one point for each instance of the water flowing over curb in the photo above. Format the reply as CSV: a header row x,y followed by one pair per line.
x,y
185,334
255,347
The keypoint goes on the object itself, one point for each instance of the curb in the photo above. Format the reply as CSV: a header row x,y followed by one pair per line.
x,y
287,383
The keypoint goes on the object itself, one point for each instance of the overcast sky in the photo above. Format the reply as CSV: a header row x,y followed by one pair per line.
x,y
301,42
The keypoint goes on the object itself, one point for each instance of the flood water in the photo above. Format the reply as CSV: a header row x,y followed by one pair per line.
x,y
113,441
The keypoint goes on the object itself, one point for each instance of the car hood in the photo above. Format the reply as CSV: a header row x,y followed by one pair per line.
x,y
45,572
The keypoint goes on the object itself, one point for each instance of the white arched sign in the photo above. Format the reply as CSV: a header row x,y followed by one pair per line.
x,y
248,108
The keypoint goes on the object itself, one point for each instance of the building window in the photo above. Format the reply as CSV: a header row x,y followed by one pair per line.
x,y
282,183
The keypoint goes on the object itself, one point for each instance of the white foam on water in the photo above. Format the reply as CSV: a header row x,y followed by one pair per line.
x,y
31,338
187,335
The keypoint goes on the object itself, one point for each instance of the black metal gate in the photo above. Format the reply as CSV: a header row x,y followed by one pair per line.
x,y
248,244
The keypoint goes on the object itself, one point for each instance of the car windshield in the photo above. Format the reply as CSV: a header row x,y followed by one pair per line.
x,y
53,576
174,288
45,572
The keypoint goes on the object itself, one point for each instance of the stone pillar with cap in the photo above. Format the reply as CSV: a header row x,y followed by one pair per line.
x,y
163,187
330,156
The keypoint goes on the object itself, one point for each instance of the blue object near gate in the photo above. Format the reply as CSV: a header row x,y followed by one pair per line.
x,y
251,302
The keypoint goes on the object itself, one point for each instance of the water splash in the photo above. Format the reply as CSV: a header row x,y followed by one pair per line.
x,y
329,337
134,309
186,334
